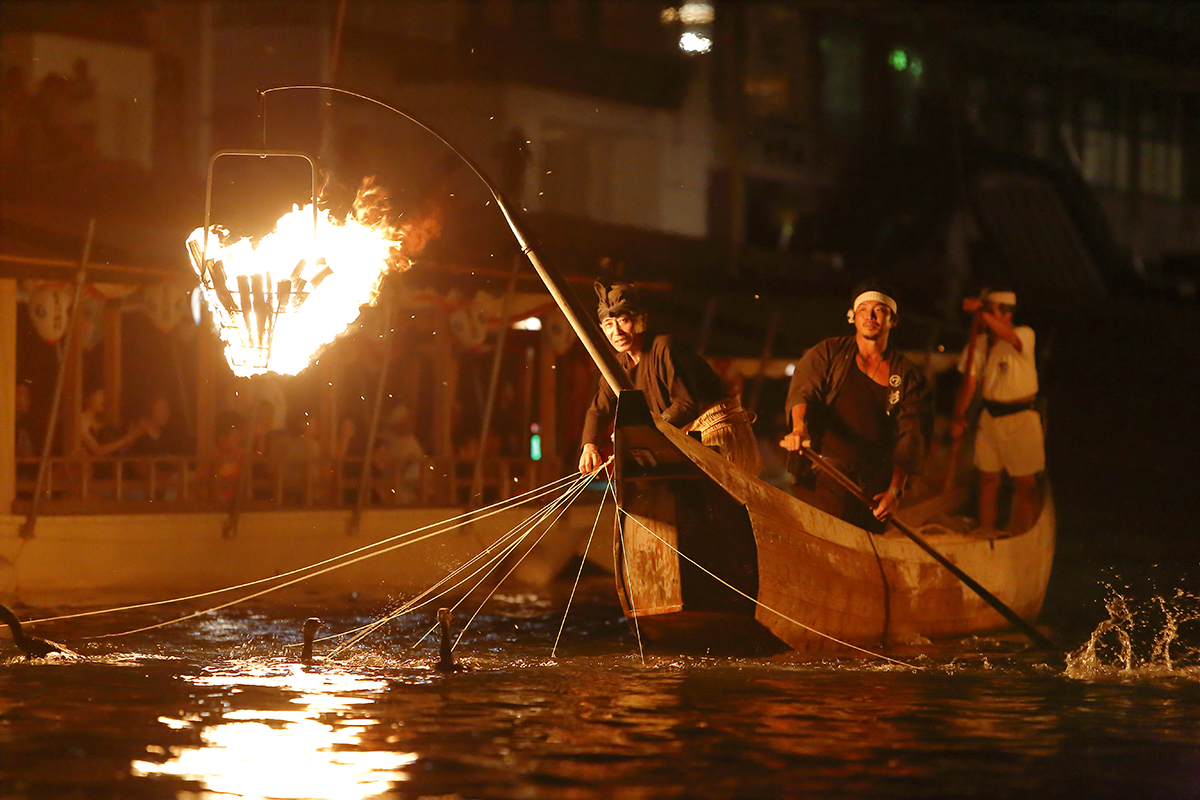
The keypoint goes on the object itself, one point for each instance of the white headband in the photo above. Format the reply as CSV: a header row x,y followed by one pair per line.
x,y
878,297
1002,298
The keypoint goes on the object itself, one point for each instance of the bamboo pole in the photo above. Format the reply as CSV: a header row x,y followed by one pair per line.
x,y
30,523
475,497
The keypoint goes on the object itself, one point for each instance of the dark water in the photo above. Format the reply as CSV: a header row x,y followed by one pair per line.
x,y
217,708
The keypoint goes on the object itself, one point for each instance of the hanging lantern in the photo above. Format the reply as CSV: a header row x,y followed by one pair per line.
x,y
50,310
466,328
166,304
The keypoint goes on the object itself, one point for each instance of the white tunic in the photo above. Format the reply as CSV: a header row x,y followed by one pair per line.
x,y
1008,375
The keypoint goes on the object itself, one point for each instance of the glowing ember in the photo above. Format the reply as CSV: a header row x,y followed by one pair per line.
x,y
276,302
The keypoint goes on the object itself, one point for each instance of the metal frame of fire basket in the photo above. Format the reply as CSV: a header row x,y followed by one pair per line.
x,y
235,506
580,320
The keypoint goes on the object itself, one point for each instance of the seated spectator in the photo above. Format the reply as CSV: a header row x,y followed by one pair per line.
x,y
157,440
227,469
397,458
98,440
300,451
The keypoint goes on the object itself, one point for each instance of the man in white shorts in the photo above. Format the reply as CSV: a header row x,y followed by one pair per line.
x,y
1009,438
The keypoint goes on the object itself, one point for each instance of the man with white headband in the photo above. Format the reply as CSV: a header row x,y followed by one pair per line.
x,y
1009,438
859,402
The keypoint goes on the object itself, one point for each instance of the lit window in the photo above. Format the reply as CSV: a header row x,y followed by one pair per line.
x,y
694,43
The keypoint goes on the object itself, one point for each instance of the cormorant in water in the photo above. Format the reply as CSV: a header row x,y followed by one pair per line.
x,y
31,646
446,662
310,630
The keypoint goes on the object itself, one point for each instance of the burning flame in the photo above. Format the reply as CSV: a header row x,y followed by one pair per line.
x,y
276,302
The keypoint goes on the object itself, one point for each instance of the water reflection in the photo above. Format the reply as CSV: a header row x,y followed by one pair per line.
x,y
319,748
234,716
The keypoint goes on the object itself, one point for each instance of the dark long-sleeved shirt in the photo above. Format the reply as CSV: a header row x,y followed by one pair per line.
x,y
677,382
822,371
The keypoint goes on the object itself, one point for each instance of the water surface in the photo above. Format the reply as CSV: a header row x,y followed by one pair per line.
x,y
218,707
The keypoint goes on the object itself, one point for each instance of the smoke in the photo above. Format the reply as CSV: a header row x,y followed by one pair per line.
x,y
372,208
422,231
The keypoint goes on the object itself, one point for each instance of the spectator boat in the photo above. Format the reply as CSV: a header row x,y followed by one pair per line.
x,y
90,552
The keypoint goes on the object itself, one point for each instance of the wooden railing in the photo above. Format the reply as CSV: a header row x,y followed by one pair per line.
x,y
78,485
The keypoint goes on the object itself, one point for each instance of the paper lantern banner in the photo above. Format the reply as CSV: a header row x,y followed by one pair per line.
x,y
166,304
50,310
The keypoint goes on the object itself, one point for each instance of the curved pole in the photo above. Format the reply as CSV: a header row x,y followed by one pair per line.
x,y
583,323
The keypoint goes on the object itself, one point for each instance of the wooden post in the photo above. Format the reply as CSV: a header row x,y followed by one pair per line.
x,y
446,387
8,379
208,359
71,402
475,495
65,369
112,363
548,402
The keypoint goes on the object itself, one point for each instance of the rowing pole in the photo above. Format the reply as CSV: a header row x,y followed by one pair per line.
x,y
1033,633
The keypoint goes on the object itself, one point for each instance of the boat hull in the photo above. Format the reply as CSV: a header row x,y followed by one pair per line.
x,y
698,537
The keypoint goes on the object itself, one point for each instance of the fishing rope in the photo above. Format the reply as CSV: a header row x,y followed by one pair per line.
x,y
411,541
460,520
582,564
637,626
578,491
756,602
499,560
488,567
274,588
420,600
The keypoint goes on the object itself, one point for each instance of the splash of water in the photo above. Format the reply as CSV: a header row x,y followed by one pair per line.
x,y
1140,640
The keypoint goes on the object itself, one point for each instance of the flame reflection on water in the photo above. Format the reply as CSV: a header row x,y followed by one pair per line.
x,y
317,750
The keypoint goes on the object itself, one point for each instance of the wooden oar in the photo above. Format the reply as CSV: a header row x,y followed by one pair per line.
x,y
1033,633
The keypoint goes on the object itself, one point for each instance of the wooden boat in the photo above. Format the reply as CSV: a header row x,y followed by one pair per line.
x,y
710,557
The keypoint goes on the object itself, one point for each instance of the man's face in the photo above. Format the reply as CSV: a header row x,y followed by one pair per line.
x,y
873,319
621,332
1002,311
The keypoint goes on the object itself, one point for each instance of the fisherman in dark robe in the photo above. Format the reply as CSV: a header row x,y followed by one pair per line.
x,y
860,403
680,387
